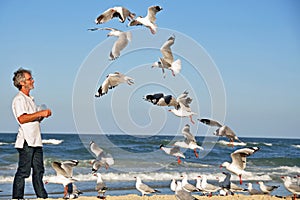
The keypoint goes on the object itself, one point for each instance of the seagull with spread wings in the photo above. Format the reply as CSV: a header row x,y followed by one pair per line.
x,y
119,12
189,142
222,130
149,20
113,80
239,160
64,174
120,43
174,151
184,110
102,158
167,61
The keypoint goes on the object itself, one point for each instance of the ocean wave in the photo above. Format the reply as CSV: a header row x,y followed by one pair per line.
x,y
296,146
226,143
52,141
263,143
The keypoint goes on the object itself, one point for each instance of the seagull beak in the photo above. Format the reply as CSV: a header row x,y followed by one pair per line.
x,y
221,166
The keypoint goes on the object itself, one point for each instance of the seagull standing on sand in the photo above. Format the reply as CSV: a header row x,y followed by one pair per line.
x,y
239,159
174,151
267,189
253,191
187,186
173,185
64,173
102,158
182,194
167,61
120,43
143,188
100,186
189,142
149,20
233,187
290,186
222,130
207,187
184,110
121,12
113,80
225,184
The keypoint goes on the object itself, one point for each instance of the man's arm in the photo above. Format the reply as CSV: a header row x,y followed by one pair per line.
x,y
25,118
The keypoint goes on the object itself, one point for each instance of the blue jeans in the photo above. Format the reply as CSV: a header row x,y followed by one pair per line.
x,y
29,157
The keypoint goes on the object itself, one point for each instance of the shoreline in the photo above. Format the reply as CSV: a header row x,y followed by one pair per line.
x,y
172,197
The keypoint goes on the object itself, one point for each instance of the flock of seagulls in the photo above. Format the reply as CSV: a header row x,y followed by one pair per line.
x,y
181,107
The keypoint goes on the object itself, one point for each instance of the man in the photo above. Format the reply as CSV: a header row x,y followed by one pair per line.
x,y
29,141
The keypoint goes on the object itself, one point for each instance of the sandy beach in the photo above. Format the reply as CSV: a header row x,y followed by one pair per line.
x,y
172,197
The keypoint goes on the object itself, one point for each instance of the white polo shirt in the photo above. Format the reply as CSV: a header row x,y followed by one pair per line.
x,y
23,104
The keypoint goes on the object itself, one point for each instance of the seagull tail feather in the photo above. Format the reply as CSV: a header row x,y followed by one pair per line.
x,y
176,66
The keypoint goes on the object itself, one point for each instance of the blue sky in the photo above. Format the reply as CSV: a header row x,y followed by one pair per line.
x,y
254,46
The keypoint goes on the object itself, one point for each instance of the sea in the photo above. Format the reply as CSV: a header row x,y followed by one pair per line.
x,y
141,156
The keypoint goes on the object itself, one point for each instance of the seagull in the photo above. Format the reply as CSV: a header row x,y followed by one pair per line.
x,y
184,110
149,20
121,12
233,187
239,158
182,194
225,184
64,173
100,186
167,61
189,142
290,186
173,185
113,80
160,99
267,189
174,151
222,130
120,43
253,191
102,158
207,187
143,188
187,186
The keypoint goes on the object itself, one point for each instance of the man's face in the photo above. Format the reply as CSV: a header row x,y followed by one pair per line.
x,y
28,83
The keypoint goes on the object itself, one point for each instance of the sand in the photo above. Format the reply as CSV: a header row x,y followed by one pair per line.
x,y
172,197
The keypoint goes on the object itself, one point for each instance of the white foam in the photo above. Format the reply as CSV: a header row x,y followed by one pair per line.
x,y
223,142
268,144
52,141
296,145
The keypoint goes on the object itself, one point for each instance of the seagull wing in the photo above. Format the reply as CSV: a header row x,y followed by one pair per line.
x,y
187,134
151,14
57,166
239,157
119,45
146,188
166,50
95,148
105,16
210,122
68,166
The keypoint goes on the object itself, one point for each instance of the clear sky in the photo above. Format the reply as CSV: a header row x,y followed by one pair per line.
x,y
251,50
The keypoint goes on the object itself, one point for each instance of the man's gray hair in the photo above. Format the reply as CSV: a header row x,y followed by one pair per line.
x,y
19,76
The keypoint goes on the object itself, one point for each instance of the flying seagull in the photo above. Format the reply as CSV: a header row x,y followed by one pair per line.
x,y
167,61
113,80
121,12
174,151
183,110
239,160
120,43
222,130
102,158
190,140
149,20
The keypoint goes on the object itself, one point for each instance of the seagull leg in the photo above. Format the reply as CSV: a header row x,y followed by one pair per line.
x,y
178,160
163,71
65,192
192,119
173,72
231,143
195,152
241,182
